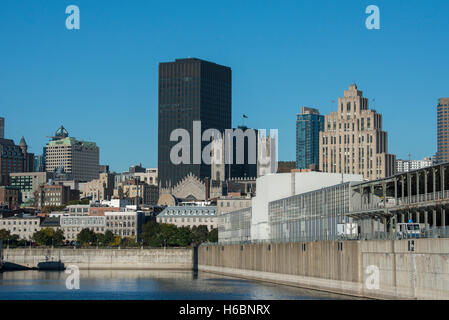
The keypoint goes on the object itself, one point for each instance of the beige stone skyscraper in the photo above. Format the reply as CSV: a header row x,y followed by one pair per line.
x,y
78,158
353,141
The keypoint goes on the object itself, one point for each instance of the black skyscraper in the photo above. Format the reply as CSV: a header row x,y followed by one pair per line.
x,y
190,90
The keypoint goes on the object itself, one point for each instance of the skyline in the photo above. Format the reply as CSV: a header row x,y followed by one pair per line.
x,y
281,58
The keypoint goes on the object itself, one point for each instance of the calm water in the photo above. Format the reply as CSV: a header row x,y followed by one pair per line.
x,y
141,285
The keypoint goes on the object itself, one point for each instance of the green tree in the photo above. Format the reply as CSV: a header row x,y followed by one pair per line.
x,y
213,235
86,237
128,242
108,237
75,202
183,237
200,233
44,237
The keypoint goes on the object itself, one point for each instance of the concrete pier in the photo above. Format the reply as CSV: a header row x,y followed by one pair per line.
x,y
101,259
382,269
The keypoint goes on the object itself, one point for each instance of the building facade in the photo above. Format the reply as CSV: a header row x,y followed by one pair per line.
x,y
313,216
9,196
73,224
442,154
54,195
28,183
22,225
353,141
190,90
125,223
14,158
230,203
309,123
80,159
409,165
99,189
190,216
235,226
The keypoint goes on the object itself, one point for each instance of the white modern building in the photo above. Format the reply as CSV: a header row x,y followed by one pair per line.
x,y
282,185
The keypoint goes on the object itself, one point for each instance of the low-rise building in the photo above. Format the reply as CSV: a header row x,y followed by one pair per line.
x,y
189,216
28,183
134,189
78,209
22,225
9,196
125,223
54,195
96,210
52,222
100,189
409,165
73,224
232,203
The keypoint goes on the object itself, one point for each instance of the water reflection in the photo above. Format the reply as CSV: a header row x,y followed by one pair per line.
x,y
146,284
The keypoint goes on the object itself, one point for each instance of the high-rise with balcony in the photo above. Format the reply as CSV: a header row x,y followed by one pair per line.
x,y
190,90
309,123
353,141
443,130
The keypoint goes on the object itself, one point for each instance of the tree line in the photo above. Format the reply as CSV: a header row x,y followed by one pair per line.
x,y
153,234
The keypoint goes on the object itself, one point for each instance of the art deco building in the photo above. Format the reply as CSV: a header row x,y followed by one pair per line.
x,y
443,130
353,141
80,159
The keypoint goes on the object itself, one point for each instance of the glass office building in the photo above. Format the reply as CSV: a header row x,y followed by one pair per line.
x,y
309,123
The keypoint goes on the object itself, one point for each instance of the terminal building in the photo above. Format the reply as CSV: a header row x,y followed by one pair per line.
x,y
290,203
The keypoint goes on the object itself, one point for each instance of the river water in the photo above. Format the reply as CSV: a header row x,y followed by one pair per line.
x,y
144,285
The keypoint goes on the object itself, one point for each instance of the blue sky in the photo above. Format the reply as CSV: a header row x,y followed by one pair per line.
x,y
100,82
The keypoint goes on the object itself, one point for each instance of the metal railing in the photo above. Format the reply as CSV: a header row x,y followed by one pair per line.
x,y
439,195
432,232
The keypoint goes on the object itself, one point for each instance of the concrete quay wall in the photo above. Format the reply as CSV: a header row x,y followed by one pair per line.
x,y
101,259
346,267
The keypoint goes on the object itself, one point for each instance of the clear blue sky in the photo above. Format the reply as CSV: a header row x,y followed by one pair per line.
x,y
100,82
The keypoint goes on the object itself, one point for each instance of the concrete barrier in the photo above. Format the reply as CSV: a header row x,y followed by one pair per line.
x,y
101,259
345,267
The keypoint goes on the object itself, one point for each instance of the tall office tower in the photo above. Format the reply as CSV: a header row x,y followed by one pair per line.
x,y
2,128
443,130
309,123
80,159
353,141
190,90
